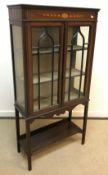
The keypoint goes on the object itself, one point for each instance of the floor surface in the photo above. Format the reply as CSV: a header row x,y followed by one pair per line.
x,y
66,157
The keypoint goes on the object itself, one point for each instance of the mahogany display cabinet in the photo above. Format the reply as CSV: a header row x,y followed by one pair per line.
x,y
52,55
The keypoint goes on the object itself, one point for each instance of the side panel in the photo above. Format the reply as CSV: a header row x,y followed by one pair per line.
x,y
18,64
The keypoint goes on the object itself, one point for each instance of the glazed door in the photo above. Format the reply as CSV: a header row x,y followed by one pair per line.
x,y
46,65
77,46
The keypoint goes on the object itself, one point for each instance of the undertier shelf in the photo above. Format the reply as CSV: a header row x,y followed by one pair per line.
x,y
50,134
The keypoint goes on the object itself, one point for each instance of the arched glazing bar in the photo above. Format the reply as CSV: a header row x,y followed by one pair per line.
x,y
82,60
72,62
72,54
42,37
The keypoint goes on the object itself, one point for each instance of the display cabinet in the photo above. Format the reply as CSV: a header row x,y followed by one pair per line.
x,y
52,54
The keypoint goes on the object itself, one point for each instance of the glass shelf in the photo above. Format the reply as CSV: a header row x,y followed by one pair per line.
x,y
73,95
77,47
46,77
56,49
45,50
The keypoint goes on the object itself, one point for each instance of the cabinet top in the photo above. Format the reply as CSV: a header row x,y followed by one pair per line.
x,y
24,13
29,6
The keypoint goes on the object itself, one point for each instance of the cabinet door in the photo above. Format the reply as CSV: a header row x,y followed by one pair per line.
x,y
46,42
76,60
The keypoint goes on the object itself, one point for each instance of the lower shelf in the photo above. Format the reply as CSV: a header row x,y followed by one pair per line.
x,y
50,134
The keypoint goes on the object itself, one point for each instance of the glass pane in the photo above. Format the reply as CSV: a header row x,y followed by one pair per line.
x,y
77,48
19,66
45,54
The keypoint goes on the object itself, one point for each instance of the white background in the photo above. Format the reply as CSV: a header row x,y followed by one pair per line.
x,y
99,86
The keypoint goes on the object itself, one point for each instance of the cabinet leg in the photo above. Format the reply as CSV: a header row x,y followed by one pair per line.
x,y
17,129
28,143
70,115
85,123
29,162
